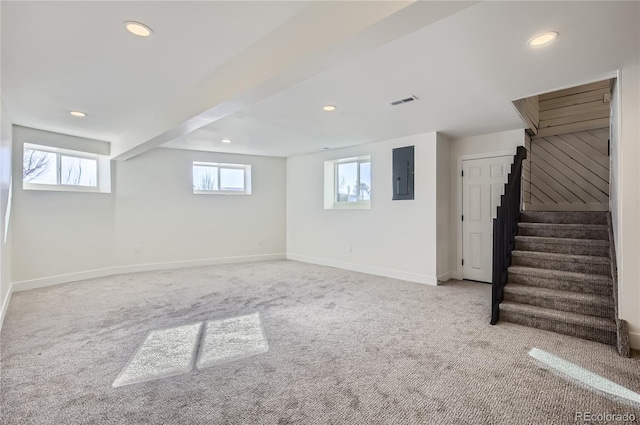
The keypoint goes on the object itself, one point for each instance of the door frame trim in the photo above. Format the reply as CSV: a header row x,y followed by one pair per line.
x,y
460,159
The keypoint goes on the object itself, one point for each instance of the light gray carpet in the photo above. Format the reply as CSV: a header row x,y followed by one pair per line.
x,y
344,347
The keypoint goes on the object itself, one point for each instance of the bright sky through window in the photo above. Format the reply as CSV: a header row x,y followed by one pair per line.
x,y
40,167
353,181
205,178
347,183
231,179
78,171
221,178
52,168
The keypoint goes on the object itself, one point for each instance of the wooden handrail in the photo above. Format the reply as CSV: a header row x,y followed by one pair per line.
x,y
505,228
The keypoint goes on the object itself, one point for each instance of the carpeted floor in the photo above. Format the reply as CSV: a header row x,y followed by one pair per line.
x,y
344,347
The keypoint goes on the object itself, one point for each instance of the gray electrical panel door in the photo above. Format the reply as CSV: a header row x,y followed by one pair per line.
x,y
403,173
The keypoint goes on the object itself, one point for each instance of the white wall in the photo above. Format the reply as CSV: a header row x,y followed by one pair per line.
x,y
58,233
393,238
627,205
65,236
157,211
445,264
504,141
5,190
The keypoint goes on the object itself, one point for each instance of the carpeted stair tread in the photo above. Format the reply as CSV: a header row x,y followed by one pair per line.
x,y
576,319
552,256
592,217
563,226
564,245
582,298
561,275
563,241
562,230
560,278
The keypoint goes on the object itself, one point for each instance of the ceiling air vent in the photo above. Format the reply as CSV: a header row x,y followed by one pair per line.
x,y
407,100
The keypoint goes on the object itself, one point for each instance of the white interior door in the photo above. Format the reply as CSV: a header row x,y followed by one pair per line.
x,y
482,184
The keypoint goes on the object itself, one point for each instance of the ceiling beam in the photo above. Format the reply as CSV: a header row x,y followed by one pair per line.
x,y
322,35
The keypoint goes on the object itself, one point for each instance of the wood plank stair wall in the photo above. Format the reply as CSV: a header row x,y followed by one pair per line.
x,y
579,108
570,171
567,167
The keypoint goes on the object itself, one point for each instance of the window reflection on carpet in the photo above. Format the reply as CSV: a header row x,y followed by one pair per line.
x,y
173,351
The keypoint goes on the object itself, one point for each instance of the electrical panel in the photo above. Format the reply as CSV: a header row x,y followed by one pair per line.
x,y
403,163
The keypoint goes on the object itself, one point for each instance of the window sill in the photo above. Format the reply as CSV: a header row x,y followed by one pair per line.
x,y
219,192
62,188
362,205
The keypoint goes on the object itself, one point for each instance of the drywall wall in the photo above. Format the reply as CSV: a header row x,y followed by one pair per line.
x,y
58,233
159,219
502,142
444,264
151,220
6,137
393,238
628,201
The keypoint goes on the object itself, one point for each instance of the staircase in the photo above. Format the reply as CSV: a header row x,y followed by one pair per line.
x,y
560,276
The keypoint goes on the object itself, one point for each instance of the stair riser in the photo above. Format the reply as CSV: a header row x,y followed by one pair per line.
x,y
600,251
602,269
564,285
564,233
604,337
564,217
562,305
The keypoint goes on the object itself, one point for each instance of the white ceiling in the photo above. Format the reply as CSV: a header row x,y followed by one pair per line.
x,y
76,55
466,69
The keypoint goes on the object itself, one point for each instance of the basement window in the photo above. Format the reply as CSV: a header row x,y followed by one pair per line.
x,y
49,168
348,183
216,178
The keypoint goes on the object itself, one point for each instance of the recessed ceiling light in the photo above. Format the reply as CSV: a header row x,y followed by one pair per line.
x,y
78,114
542,39
226,140
138,29
329,108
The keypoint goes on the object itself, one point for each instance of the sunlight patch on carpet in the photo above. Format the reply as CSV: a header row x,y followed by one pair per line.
x,y
583,375
231,339
164,353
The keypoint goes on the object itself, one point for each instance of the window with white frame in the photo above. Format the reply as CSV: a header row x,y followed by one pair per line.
x,y
348,183
209,177
47,168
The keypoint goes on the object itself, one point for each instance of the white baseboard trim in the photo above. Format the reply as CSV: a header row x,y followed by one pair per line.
x,y
25,285
634,340
456,274
362,268
5,305
445,276
197,263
